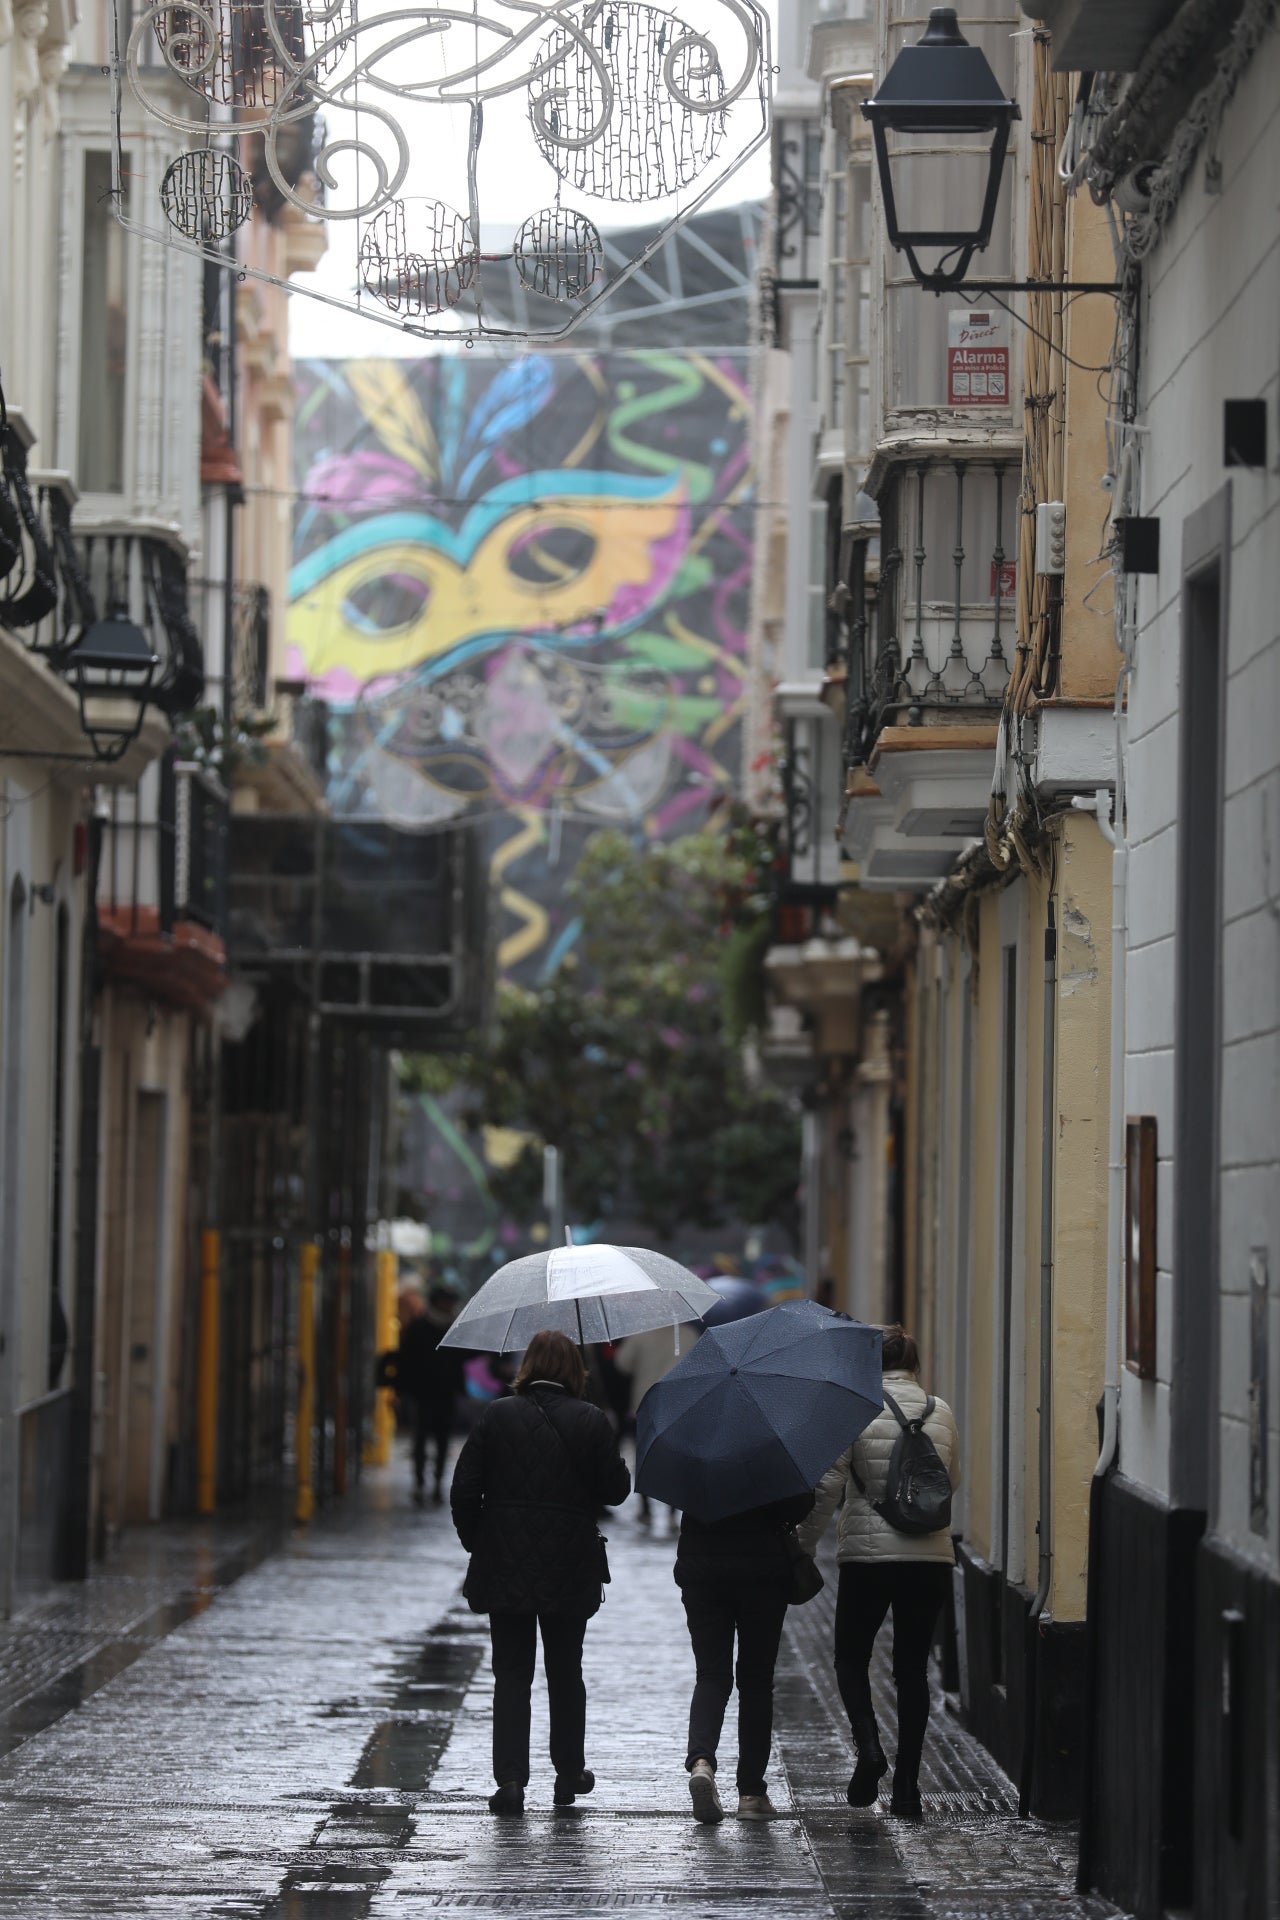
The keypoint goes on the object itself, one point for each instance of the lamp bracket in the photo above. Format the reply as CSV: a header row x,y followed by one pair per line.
x,y
37,753
941,283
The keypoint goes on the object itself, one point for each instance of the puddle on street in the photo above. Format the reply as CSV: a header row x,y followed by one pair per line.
x,y
403,1754
323,1892
424,1689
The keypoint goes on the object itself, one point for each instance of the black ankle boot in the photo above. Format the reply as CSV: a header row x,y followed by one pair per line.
x,y
509,1799
872,1765
570,1785
905,1803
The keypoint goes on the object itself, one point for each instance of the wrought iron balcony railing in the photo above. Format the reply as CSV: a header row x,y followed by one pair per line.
x,y
306,721
145,573
932,596
59,580
808,868
250,648
44,593
164,852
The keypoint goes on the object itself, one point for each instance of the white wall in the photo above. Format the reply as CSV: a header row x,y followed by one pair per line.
x,y
1210,333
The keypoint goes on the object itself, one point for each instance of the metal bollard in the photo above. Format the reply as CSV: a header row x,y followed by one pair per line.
x,y
386,1273
305,1503
207,1375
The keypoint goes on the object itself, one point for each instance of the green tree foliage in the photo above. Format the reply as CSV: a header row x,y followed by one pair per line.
x,y
629,1059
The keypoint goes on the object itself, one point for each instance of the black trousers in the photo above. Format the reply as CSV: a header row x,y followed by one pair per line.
x,y
916,1590
432,1421
716,1612
515,1643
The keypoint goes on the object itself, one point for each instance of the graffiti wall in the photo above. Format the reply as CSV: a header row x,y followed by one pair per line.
x,y
521,584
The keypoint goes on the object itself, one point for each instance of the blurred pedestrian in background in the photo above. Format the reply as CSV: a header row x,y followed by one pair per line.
x,y
428,1379
531,1478
884,1568
643,1359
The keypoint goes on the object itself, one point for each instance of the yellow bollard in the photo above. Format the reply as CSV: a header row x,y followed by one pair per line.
x,y
341,1303
386,1335
305,1503
207,1376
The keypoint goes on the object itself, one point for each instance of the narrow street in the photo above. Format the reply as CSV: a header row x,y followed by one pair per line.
x,y
310,1736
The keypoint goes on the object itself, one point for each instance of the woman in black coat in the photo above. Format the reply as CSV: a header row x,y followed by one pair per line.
x,y
532,1477
734,1577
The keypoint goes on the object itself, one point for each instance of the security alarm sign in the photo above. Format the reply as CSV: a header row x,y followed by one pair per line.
x,y
977,358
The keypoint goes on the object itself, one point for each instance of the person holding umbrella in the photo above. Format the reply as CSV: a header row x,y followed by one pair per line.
x,y
736,1436
734,1577
535,1471
891,1558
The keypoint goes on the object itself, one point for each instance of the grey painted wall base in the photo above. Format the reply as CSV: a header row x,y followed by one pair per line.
x,y
1004,1656
1141,1768
1237,1692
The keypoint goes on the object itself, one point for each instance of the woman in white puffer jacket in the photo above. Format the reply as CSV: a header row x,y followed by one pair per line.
x,y
883,1568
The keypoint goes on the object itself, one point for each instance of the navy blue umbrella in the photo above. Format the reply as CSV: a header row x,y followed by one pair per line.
x,y
757,1410
738,1298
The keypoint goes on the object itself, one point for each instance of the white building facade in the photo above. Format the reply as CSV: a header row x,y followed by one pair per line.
x,y
1182,142
100,359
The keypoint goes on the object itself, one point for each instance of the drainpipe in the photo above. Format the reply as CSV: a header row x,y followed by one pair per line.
x,y
1044,1525
1114,834
78,1546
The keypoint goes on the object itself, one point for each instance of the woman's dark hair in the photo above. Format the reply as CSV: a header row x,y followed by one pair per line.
x,y
552,1356
901,1354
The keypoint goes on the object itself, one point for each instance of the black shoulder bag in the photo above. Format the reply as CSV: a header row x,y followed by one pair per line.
x,y
806,1578
602,1545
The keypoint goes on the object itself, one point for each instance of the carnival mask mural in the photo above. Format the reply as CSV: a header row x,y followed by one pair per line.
x,y
520,587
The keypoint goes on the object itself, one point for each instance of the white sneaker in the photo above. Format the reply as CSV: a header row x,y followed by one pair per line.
x,y
756,1806
705,1794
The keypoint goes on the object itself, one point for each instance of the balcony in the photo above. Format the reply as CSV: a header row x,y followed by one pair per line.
x,y
932,624
286,770
59,579
808,845
161,898
379,928
250,649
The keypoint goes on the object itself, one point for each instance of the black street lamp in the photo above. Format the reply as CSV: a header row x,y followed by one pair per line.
x,y
943,86
112,667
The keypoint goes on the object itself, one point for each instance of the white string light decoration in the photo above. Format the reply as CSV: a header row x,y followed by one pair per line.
x,y
437,141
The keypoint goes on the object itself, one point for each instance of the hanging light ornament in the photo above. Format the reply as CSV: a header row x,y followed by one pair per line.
x,y
206,195
557,254
425,269
591,105
632,110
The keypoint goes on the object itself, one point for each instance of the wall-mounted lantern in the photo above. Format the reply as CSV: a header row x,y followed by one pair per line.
x,y
940,86
944,88
112,668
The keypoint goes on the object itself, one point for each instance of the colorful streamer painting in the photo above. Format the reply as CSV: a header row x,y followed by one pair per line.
x,y
521,585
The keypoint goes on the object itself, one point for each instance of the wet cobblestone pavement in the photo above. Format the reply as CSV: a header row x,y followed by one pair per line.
x,y
311,1742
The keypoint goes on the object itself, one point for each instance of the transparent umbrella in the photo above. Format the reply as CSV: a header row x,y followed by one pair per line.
x,y
591,1293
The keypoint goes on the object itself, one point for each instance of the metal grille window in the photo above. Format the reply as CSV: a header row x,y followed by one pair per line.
x,y
943,628
164,854
811,801
835,286
816,586
857,311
